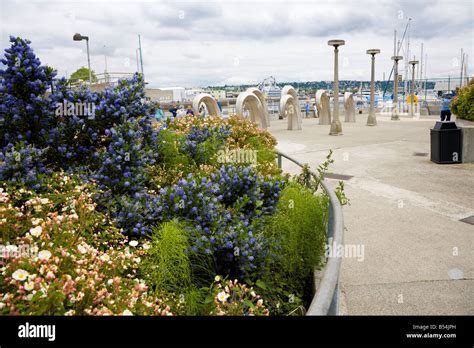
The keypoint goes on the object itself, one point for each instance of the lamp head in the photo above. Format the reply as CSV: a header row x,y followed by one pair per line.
x,y
397,58
413,62
373,51
336,43
79,37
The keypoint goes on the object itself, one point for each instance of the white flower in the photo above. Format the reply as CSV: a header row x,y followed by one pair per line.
x,y
20,274
29,286
259,302
44,200
105,258
36,221
217,278
36,231
70,312
81,249
253,294
2,305
222,296
133,243
127,312
110,281
11,248
146,246
44,255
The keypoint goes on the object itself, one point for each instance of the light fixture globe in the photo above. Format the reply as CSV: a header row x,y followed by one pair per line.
x,y
77,37
413,62
373,51
397,58
336,43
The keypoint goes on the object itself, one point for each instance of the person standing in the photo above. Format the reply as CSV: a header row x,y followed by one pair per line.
x,y
159,113
445,111
181,111
307,107
190,111
173,109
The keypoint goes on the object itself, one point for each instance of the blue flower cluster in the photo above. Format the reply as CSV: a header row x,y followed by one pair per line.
x,y
241,187
222,213
24,112
122,168
22,164
132,213
24,115
200,142
76,138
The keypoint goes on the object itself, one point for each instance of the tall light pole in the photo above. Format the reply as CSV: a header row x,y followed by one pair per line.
x,y
336,127
141,57
413,63
79,37
371,120
395,89
105,68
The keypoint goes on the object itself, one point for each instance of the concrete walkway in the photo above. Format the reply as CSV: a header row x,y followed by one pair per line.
x,y
404,211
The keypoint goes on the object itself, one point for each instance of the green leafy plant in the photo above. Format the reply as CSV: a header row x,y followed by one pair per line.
x,y
462,105
298,229
167,265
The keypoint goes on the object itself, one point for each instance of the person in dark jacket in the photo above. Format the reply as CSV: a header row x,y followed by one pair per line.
x,y
173,109
190,111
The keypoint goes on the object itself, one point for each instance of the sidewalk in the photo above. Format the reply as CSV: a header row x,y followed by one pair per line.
x,y
404,210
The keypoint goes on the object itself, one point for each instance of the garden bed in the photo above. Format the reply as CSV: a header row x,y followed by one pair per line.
x,y
113,213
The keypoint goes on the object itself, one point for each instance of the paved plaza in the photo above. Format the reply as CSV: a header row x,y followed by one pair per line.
x,y
404,210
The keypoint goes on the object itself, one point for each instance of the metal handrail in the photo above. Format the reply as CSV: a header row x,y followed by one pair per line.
x,y
326,299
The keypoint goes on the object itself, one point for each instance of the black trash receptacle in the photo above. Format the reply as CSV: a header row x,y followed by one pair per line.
x,y
445,143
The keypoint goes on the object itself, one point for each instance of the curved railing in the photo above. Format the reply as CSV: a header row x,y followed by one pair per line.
x,y
326,299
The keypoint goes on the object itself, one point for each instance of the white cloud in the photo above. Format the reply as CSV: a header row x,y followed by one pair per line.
x,y
212,42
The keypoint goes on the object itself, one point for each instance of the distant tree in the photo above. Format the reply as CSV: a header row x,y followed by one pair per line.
x,y
82,74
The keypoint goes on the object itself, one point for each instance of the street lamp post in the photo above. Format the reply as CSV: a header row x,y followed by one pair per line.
x,y
413,63
79,37
395,89
336,127
371,120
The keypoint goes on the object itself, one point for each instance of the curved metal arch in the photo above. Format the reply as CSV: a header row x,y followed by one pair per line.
x,y
251,102
263,100
322,103
349,110
209,101
289,104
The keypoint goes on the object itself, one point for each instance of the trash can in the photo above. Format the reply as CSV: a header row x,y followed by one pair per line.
x,y
445,143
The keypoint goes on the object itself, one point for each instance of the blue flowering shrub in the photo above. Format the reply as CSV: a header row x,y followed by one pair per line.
x,y
24,114
211,185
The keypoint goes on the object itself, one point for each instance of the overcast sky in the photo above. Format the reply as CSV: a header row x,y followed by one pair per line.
x,y
199,43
